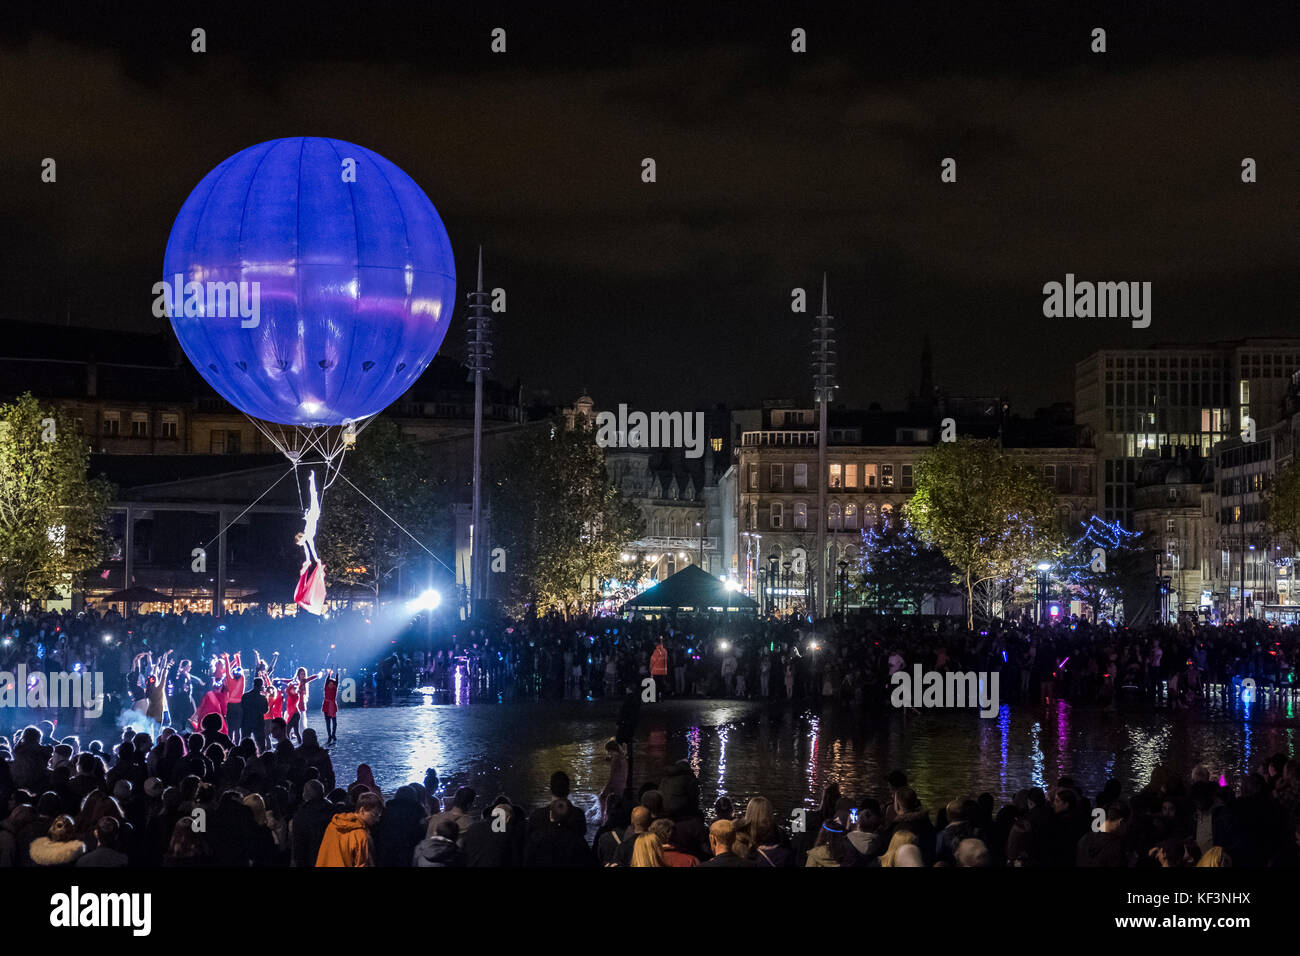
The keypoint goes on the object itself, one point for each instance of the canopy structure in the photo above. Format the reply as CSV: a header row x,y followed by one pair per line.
x,y
691,589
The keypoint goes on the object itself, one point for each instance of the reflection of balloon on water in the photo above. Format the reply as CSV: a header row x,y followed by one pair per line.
x,y
310,282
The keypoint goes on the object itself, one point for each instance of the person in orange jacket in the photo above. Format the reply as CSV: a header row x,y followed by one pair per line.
x,y
659,668
347,840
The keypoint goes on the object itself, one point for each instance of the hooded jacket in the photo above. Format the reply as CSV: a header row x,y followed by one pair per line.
x,y
438,851
346,843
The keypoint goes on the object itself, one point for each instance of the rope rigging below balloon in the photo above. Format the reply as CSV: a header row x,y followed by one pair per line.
x,y
332,443
397,523
235,520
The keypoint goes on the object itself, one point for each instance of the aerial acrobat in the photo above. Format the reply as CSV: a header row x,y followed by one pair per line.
x,y
310,593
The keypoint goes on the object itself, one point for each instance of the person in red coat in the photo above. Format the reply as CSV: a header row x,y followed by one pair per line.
x,y
330,706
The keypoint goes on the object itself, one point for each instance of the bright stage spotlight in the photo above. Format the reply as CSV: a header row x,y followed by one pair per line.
x,y
427,601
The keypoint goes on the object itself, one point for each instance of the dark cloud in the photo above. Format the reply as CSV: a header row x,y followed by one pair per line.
x,y
771,169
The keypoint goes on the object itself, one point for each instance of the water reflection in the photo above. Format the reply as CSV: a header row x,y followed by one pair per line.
x,y
741,749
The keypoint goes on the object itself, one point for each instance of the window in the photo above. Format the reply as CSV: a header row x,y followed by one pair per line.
x,y
907,477
777,514
834,516
850,515
225,442
1170,525
800,515
1245,391
801,475
869,476
753,477
1082,480
836,477
886,476
1049,473
753,516
778,477
850,476
170,425
139,424
716,444
1171,494
112,423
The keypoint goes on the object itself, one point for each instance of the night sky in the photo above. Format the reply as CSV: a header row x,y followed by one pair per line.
x,y
772,167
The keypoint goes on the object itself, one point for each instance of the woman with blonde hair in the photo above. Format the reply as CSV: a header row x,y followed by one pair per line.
x,y
1215,857
900,839
648,851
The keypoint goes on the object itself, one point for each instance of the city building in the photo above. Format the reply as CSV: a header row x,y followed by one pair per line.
x,y
871,467
678,496
1136,401
1173,507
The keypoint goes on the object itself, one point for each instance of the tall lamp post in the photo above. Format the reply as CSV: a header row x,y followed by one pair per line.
x,y
762,596
789,578
480,350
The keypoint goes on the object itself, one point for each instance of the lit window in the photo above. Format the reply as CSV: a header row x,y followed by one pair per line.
x,y
836,477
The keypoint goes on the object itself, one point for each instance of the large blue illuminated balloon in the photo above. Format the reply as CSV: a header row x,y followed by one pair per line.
x,y
355,281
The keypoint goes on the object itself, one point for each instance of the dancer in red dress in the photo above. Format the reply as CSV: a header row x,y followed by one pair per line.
x,y
310,592
330,706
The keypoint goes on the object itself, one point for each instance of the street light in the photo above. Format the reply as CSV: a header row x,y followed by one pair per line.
x,y
844,577
1043,568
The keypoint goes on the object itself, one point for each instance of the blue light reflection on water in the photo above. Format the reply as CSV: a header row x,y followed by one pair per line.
x,y
742,748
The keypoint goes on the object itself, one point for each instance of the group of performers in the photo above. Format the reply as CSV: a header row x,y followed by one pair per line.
x,y
246,708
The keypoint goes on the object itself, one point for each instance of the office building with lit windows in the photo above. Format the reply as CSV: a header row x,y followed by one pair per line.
x,y
1134,402
871,468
